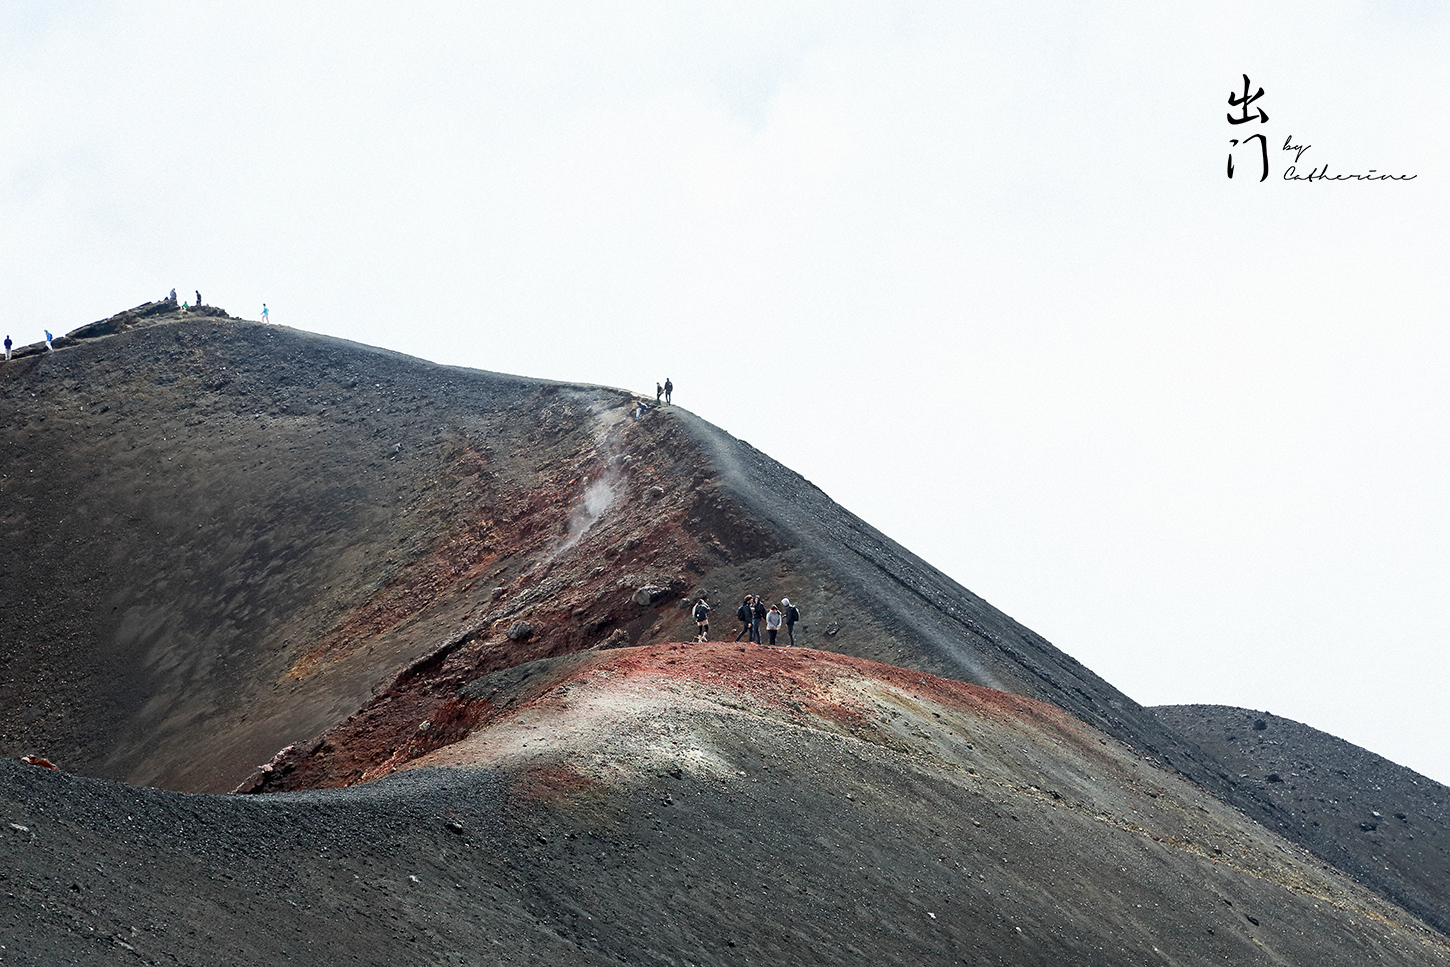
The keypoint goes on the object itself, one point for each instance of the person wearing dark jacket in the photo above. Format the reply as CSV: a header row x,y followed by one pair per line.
x,y
746,614
669,388
758,614
702,619
792,615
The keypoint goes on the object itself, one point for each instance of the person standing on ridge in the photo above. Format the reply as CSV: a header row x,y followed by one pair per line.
x,y
172,298
669,388
792,615
745,613
757,614
198,298
7,349
702,619
772,623
48,338
658,391
264,312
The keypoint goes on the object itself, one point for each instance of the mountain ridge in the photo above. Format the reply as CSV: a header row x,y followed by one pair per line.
x,y
260,539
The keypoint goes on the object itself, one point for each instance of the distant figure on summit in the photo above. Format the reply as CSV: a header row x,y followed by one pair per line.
x,y
172,298
264,312
659,390
198,298
7,349
48,338
669,388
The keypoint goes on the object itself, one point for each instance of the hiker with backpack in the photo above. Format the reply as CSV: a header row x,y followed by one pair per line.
x,y
746,614
792,615
702,619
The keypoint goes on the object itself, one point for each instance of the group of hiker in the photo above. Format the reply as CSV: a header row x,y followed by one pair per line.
x,y
754,617
266,314
9,344
185,305
662,397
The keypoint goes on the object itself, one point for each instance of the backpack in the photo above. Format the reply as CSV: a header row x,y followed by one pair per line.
x,y
700,611
744,614
792,614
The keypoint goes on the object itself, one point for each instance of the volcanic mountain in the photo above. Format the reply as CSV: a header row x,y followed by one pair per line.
x,y
245,557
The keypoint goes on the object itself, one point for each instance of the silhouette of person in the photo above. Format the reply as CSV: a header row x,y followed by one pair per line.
x,y
7,349
48,338
658,390
669,388
198,298
172,297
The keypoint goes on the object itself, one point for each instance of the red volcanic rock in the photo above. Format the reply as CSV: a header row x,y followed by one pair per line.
x,y
587,696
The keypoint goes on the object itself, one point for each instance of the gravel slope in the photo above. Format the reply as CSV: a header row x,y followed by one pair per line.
x,y
685,805
1387,826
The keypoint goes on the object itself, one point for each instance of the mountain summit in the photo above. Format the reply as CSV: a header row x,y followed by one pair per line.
x,y
246,557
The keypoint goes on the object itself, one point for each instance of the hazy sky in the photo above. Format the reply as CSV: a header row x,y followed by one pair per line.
x,y
977,270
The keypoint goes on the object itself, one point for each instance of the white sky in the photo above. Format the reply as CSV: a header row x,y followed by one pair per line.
x,y
973,268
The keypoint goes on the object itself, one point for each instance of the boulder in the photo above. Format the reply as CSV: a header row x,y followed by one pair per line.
x,y
649,594
618,638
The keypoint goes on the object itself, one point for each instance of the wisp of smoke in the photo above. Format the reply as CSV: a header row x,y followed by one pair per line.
x,y
597,498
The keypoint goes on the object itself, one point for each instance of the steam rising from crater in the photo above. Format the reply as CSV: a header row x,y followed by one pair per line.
x,y
598,497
